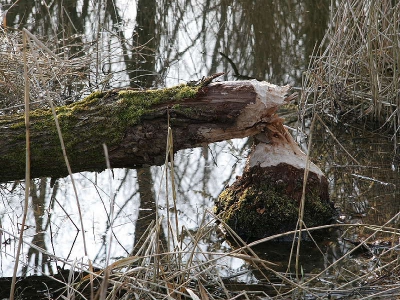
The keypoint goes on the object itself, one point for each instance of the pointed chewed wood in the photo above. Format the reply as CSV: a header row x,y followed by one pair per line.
x,y
265,200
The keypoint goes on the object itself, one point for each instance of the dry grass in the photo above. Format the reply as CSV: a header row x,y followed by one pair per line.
x,y
354,73
188,272
63,77
352,77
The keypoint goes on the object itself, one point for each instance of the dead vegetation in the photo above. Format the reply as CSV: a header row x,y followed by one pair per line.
x,y
55,72
354,73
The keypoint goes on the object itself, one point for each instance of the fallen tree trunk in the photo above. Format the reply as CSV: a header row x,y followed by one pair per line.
x,y
134,125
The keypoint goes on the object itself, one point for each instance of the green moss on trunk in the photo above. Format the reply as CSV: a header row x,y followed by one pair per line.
x,y
100,118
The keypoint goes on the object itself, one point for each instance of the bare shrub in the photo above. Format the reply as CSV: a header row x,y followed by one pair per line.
x,y
55,72
354,72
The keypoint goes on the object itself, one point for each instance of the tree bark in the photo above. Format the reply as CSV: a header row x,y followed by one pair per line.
x,y
134,126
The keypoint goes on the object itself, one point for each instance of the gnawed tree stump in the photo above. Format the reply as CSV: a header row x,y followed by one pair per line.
x,y
265,200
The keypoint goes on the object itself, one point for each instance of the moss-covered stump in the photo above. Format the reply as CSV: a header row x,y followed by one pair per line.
x,y
265,200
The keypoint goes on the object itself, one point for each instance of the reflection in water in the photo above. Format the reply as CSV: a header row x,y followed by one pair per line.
x,y
59,233
54,223
364,188
39,260
173,41
364,185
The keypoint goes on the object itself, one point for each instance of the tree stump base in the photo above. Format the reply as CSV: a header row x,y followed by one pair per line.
x,y
265,200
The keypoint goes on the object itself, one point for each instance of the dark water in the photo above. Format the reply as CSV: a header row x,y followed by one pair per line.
x,y
163,43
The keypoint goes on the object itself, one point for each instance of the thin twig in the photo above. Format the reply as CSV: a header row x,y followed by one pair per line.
x,y
27,170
